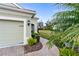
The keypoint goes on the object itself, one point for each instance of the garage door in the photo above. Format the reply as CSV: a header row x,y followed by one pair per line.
x,y
11,33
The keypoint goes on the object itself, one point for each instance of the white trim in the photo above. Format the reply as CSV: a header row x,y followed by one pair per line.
x,y
17,5
25,32
10,45
25,11
11,20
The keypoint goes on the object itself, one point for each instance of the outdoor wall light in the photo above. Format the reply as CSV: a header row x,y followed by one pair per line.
x,y
28,22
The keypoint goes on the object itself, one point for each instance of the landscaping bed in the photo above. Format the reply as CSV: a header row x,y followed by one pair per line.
x,y
36,47
34,43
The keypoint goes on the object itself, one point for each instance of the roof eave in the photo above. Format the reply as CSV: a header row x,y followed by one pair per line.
x,y
18,10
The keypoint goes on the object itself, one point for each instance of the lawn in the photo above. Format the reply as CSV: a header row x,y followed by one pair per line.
x,y
45,33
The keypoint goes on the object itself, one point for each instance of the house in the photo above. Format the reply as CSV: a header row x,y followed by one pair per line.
x,y
16,24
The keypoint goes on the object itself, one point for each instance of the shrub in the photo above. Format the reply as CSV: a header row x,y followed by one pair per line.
x,y
67,52
32,34
76,47
36,33
32,41
36,36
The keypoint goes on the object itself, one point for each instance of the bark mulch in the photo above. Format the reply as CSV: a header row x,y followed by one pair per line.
x,y
33,48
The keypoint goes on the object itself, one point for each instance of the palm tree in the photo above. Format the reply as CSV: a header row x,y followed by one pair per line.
x,y
67,18
69,22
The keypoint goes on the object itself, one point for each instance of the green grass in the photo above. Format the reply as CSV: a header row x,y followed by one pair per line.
x,y
45,33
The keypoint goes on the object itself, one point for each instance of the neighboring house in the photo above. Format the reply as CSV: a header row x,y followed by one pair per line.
x,y
16,24
40,25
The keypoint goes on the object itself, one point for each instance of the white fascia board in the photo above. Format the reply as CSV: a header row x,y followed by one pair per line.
x,y
17,5
18,10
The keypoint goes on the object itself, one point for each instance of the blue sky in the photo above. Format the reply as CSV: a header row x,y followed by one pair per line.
x,y
44,10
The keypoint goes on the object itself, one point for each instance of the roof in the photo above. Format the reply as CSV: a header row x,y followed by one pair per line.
x,y
16,7
10,5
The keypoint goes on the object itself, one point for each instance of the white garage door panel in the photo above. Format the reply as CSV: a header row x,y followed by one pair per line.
x,y
11,32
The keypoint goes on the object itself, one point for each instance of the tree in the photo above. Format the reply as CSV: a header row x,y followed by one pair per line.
x,y
48,25
69,22
65,19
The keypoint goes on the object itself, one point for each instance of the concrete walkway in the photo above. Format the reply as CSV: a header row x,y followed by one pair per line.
x,y
45,51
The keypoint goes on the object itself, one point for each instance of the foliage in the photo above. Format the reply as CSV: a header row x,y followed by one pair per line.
x,y
66,29
52,36
68,52
48,25
70,36
77,43
34,34
32,41
55,38
65,19
73,5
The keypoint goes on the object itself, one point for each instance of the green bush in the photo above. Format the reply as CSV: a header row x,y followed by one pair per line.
x,y
67,52
77,44
34,34
32,41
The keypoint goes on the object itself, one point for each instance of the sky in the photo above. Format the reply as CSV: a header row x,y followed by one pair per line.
x,y
44,10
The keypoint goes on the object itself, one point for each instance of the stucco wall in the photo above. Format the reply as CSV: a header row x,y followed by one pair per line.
x,y
34,21
28,28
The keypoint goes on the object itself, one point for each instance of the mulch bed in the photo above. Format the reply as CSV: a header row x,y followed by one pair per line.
x,y
33,48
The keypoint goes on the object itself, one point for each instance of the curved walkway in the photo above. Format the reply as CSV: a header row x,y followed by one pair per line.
x,y
45,51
